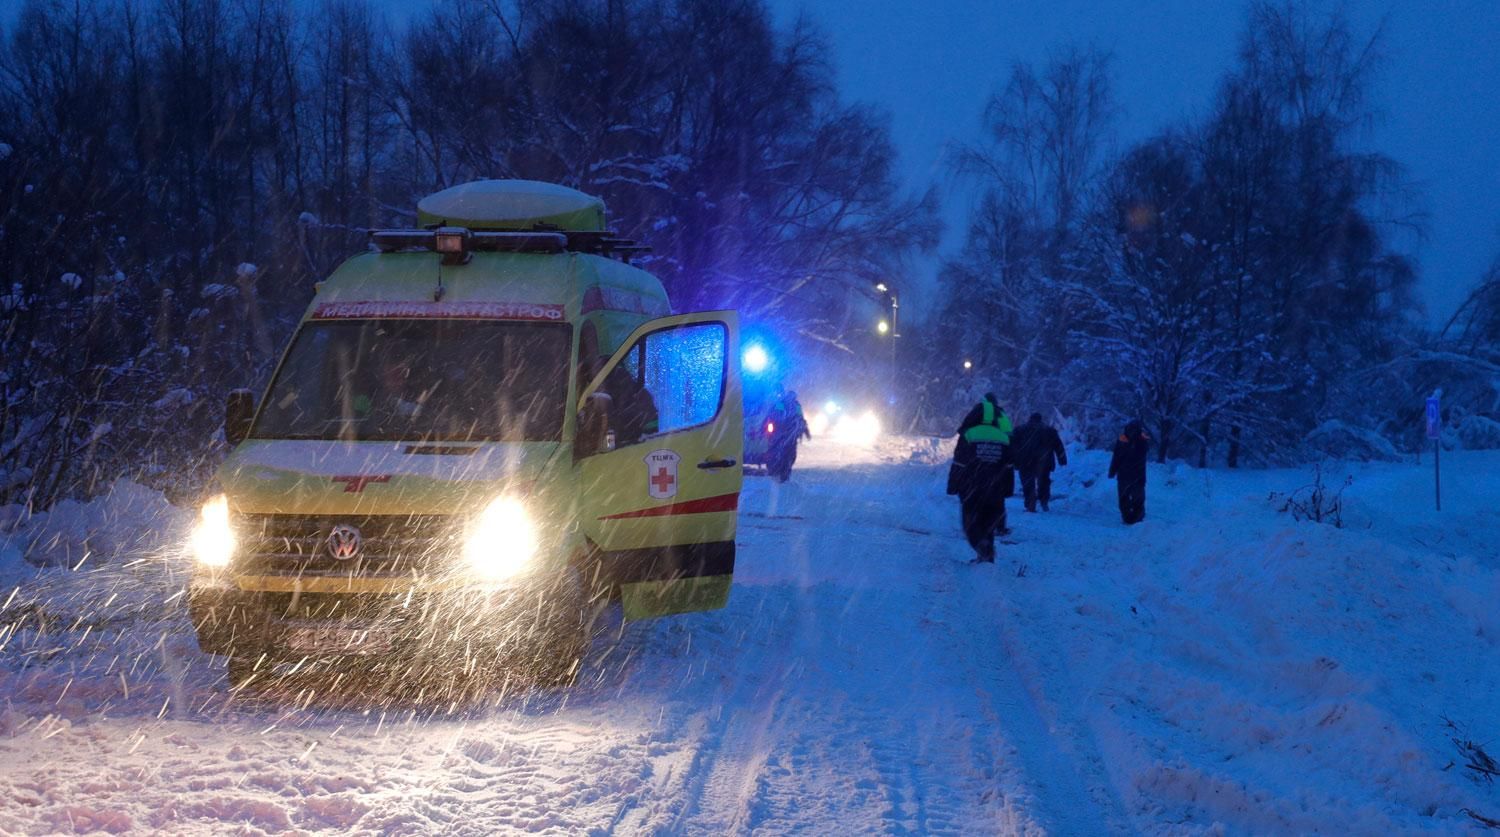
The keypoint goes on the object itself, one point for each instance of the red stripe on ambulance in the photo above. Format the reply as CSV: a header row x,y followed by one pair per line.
x,y
721,503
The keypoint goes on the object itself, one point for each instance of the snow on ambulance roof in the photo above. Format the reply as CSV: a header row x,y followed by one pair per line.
x,y
511,205
512,278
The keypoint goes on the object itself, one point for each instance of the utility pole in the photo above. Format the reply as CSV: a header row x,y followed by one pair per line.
x,y
895,334
1434,414
889,326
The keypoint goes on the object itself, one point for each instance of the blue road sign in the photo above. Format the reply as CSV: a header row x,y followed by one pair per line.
x,y
1434,419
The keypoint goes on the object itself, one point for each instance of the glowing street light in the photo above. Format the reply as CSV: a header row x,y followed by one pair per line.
x,y
968,364
883,327
881,287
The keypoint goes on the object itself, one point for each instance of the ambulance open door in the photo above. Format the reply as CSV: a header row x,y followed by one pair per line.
x,y
659,452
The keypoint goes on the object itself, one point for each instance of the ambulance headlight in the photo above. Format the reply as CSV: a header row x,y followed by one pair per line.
x,y
212,539
501,540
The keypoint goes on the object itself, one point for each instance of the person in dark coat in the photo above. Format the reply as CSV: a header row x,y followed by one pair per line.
x,y
632,411
1037,449
982,475
791,427
1128,467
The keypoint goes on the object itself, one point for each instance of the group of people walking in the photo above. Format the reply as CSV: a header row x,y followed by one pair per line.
x,y
991,451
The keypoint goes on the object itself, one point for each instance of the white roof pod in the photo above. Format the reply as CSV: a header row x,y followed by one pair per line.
x,y
512,205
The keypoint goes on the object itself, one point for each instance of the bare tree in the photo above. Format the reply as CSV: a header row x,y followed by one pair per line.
x,y
1007,307
176,174
1046,134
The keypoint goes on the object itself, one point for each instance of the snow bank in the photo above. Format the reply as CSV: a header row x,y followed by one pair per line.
x,y
87,591
1343,441
1244,670
1476,432
127,520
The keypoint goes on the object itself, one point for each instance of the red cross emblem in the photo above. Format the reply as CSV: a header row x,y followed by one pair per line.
x,y
661,474
663,481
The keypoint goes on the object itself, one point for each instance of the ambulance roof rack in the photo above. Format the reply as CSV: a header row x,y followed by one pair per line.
x,y
456,242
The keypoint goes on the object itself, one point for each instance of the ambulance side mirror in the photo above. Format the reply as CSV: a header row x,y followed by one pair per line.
x,y
593,426
239,411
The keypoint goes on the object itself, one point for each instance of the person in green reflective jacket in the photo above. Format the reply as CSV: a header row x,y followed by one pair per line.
x,y
982,475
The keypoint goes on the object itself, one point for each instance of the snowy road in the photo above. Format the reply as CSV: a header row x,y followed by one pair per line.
x,y
1216,668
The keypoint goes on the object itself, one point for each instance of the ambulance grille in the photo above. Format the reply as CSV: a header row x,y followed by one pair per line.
x,y
389,545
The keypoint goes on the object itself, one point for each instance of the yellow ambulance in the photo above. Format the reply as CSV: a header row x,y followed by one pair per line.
x,y
482,430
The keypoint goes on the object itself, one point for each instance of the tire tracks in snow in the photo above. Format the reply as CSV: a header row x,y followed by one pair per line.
x,y
909,710
1064,773
878,720
734,741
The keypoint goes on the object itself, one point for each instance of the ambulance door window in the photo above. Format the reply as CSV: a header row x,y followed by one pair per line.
x,y
669,380
683,369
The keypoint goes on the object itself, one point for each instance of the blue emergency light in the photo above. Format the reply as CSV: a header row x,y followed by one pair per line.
x,y
755,359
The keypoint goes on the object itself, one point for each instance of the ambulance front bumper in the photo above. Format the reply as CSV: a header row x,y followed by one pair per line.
x,y
246,616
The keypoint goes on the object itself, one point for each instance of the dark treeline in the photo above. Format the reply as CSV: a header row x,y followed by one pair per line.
x,y
1239,281
175,174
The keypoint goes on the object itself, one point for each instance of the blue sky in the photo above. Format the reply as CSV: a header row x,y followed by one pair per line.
x,y
932,66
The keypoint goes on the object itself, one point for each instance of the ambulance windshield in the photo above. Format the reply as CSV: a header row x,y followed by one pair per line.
x,y
432,380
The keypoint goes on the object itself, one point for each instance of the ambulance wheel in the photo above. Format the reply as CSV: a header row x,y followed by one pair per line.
x,y
560,669
239,671
568,635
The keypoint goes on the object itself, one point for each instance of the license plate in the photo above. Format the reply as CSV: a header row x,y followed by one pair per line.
x,y
339,640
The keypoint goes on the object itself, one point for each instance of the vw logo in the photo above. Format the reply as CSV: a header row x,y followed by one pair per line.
x,y
343,542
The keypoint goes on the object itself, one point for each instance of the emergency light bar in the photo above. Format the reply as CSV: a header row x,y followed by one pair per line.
x,y
456,243
457,240
452,244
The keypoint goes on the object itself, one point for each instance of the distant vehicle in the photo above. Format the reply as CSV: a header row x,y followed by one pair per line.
x,y
773,429
762,372
759,428
474,434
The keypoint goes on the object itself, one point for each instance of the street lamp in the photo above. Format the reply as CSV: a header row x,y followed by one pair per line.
x,y
968,364
889,326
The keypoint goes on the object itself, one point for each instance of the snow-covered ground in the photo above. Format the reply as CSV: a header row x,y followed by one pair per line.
x,y
1219,668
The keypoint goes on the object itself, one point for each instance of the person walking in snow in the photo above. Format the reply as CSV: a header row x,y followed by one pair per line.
x,y
791,427
1037,449
982,475
1128,468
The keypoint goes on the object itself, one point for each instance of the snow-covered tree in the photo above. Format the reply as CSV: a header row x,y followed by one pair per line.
x,y
1151,338
150,150
1231,277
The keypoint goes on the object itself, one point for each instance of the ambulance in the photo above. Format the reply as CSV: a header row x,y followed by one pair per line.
x,y
483,430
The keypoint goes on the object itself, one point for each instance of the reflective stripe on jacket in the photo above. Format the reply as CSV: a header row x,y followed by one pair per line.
x,y
992,428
